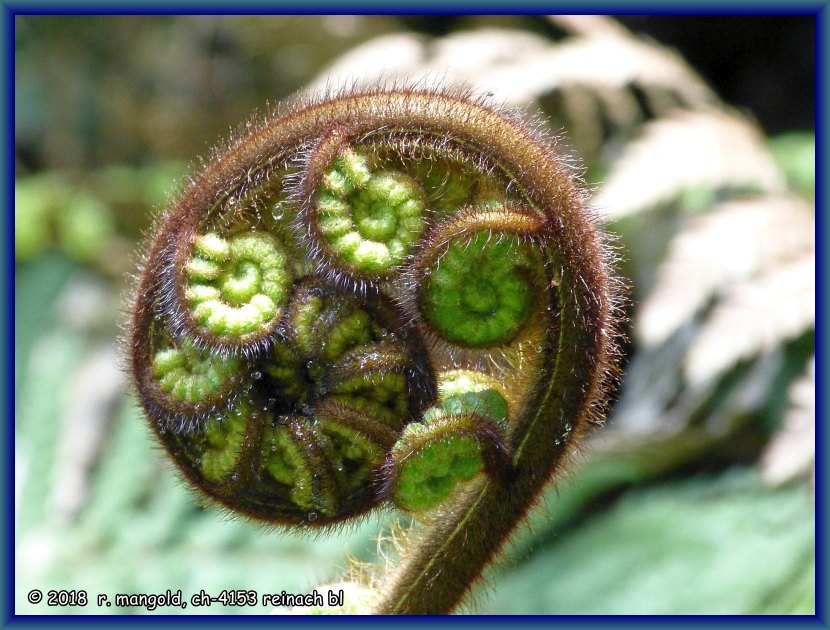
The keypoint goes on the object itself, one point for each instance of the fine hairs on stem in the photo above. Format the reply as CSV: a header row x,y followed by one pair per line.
x,y
390,297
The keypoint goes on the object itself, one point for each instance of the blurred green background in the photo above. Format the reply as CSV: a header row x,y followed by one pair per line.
x,y
697,496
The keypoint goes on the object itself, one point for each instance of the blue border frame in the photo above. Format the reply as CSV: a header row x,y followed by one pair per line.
x,y
433,7
822,51
819,9
7,287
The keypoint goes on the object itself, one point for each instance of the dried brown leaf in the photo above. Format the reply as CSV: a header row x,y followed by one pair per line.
x,y
733,242
519,67
603,64
597,25
792,451
94,394
380,59
757,315
701,149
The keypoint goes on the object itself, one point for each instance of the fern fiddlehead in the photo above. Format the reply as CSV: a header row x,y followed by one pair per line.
x,y
392,296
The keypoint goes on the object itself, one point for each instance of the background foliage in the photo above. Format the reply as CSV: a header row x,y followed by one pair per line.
x,y
697,496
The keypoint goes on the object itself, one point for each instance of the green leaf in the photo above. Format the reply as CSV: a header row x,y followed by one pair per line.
x,y
37,285
795,153
719,545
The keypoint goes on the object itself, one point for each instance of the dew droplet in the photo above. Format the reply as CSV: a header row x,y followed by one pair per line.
x,y
234,477
311,517
256,375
